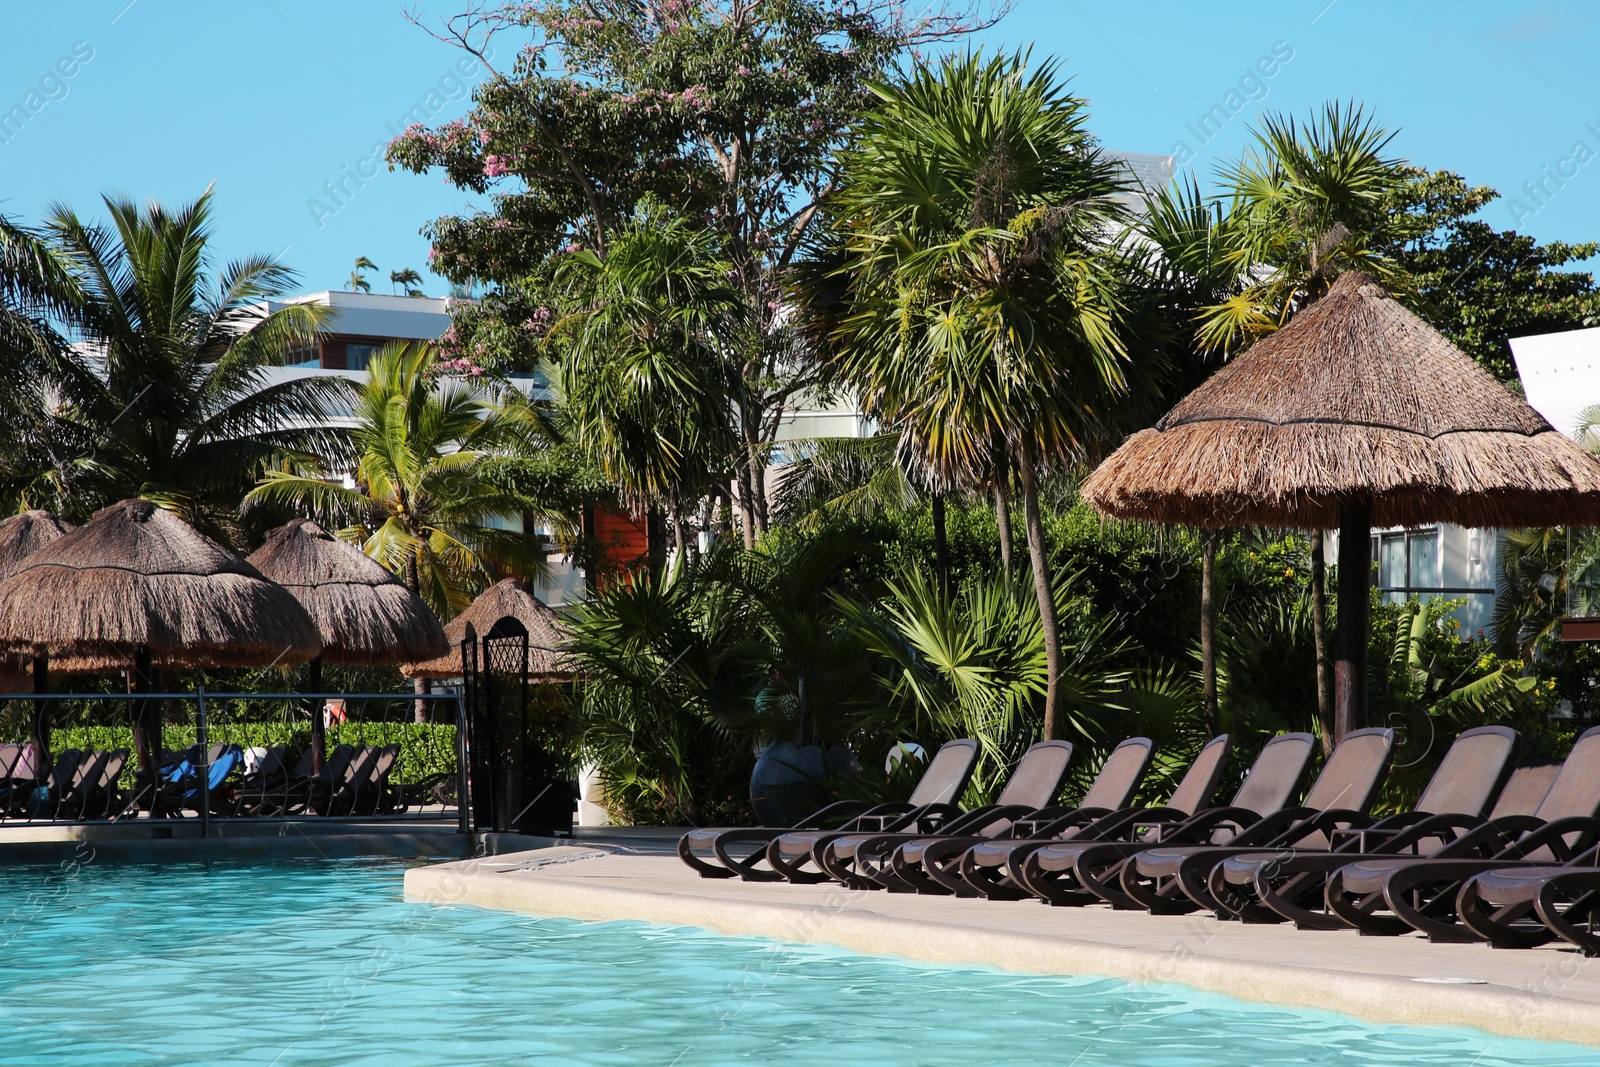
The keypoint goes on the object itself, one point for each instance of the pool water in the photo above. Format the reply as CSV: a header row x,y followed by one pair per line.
x,y
322,963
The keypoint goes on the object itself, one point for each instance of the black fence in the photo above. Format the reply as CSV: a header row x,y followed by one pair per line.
x,y
85,757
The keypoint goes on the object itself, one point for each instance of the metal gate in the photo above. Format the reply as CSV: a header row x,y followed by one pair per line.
x,y
495,678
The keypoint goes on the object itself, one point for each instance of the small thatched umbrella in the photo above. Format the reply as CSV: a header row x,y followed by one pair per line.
x,y
364,614
20,537
506,598
137,587
1356,413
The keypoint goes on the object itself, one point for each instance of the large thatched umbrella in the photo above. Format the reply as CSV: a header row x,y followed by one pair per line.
x,y
1356,413
365,615
138,588
506,598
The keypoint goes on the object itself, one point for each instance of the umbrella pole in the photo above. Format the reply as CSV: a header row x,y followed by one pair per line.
x,y
1350,652
41,710
319,722
141,720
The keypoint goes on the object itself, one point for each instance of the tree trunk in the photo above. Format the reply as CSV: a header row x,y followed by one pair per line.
x,y
747,515
1208,632
146,724
758,484
1355,580
1002,517
419,708
1046,595
941,545
319,716
1319,633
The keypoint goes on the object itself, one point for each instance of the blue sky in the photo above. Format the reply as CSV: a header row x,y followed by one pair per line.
x,y
270,99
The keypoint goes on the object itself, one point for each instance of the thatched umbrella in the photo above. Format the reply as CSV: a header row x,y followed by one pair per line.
x,y
365,615
506,598
1356,413
138,588
20,537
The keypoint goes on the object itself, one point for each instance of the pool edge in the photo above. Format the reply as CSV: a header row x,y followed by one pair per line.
x,y
1372,998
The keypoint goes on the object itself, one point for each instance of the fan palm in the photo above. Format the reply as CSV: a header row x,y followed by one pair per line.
x,y
1306,204
972,303
167,396
437,459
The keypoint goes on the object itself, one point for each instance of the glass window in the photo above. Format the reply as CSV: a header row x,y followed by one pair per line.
x,y
356,357
1423,562
1408,563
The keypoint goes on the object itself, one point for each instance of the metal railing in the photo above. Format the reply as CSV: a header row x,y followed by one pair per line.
x,y
81,757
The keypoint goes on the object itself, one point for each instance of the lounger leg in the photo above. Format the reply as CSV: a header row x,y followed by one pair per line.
x,y
700,866
989,882
1361,912
1496,927
1559,920
792,870
1398,892
1155,896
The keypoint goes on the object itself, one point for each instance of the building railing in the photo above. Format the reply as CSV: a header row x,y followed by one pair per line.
x,y
83,757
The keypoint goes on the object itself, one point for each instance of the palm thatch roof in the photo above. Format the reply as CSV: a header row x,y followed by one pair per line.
x,y
136,576
1357,398
23,535
20,537
364,614
509,597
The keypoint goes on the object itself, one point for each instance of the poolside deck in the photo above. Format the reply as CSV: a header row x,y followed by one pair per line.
x,y
1546,993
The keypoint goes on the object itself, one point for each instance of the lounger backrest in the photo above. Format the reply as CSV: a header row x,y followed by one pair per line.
x,y
88,771
1350,778
337,767
1526,789
1576,790
27,767
9,755
1120,774
1276,774
303,766
1470,772
1038,775
360,769
66,766
1200,780
947,773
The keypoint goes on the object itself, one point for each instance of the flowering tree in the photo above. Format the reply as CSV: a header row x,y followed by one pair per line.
x,y
728,111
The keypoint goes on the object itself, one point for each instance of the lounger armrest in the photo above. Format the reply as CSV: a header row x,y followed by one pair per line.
x,y
1052,822
977,818
1200,827
1270,827
1553,835
1402,831
931,818
1324,822
837,812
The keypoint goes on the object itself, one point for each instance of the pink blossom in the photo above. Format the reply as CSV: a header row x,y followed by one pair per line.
x,y
494,166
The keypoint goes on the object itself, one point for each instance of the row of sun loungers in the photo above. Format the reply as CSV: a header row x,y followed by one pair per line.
x,y
82,784
1492,852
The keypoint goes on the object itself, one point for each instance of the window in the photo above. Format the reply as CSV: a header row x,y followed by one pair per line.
x,y
356,357
1408,563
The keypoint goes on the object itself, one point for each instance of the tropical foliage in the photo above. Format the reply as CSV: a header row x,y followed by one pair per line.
x,y
438,460
158,385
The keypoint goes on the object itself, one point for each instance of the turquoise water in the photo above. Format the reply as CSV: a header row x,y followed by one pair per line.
x,y
319,963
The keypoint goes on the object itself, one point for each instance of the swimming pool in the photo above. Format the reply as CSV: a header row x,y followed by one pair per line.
x,y
321,963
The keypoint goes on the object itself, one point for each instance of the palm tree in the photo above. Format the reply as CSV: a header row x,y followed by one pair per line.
x,y
358,281
642,383
407,280
437,465
972,305
166,396
1306,203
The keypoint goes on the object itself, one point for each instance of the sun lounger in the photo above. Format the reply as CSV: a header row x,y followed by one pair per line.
x,y
1520,907
941,785
984,867
1082,872
1287,884
1394,894
860,860
931,864
1171,879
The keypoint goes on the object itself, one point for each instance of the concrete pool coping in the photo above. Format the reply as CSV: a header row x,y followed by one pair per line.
x,y
1546,994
